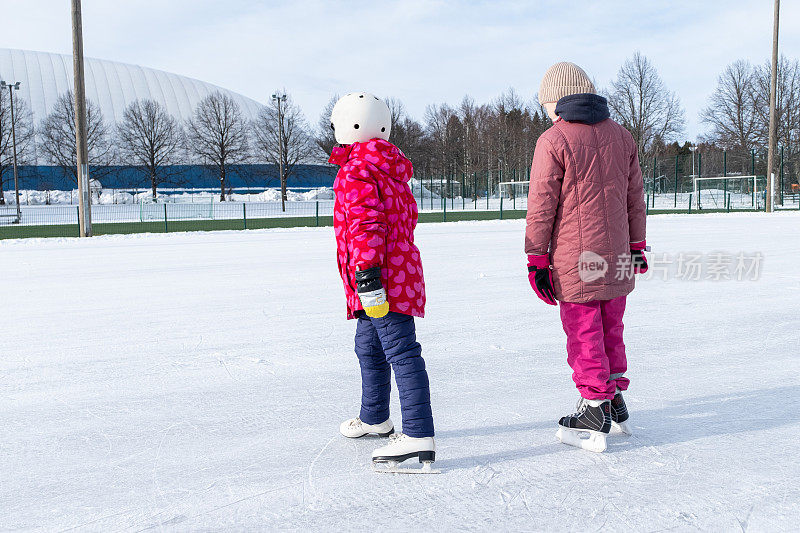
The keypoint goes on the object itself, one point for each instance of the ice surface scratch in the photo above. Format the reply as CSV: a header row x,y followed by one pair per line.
x,y
311,465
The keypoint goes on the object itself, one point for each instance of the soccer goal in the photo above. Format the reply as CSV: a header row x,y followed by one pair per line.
x,y
514,189
728,192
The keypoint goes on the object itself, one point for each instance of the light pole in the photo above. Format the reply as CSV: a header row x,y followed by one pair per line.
x,y
281,97
693,149
773,122
81,144
11,88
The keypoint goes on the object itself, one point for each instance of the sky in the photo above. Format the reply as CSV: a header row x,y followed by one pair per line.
x,y
421,52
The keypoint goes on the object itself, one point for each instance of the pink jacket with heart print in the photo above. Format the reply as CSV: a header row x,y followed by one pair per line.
x,y
374,217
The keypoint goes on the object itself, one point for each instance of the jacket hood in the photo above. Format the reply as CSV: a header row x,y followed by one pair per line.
x,y
385,156
585,108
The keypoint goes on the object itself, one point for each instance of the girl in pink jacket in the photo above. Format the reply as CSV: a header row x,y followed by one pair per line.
x,y
374,218
585,238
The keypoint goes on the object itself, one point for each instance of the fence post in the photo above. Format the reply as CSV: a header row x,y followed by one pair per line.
x,y
729,200
501,206
166,228
647,206
444,210
78,211
781,174
244,214
514,192
676,182
724,162
724,188
699,165
653,190
488,177
690,203
442,197
316,214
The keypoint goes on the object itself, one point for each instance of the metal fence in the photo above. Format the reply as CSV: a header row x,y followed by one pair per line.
x,y
670,186
671,181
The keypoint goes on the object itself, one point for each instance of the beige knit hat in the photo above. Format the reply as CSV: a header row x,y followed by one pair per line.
x,y
564,79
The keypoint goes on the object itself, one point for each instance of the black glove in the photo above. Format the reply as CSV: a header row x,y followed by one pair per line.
x,y
639,261
541,278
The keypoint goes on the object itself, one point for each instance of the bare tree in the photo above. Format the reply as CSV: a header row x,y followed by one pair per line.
x,y
23,128
409,136
57,139
406,133
396,108
444,131
294,144
512,124
151,139
640,101
787,106
324,135
218,135
731,111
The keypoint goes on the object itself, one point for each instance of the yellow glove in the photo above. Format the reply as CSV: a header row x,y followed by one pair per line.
x,y
371,292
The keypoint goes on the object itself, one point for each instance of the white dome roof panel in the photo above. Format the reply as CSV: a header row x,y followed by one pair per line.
x,y
109,84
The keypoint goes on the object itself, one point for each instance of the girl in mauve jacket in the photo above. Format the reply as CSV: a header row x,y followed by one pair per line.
x,y
585,239
375,215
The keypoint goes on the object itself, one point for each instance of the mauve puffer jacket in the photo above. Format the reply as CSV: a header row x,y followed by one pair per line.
x,y
586,201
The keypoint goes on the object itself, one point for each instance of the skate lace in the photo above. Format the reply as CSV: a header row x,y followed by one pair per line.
x,y
355,422
396,437
581,407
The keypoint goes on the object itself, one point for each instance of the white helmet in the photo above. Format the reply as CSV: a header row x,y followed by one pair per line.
x,y
360,117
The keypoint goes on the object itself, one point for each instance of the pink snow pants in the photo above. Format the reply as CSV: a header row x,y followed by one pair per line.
x,y
595,351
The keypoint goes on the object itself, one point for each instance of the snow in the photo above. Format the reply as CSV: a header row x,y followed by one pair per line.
x,y
197,381
114,196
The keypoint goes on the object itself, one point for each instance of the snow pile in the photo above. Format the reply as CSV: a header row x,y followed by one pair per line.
x,y
274,195
114,196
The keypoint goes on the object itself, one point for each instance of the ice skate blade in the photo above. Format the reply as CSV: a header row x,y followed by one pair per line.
x,y
592,441
367,436
393,467
622,427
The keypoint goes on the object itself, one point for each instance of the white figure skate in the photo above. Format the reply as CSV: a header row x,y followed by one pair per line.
x,y
355,428
402,447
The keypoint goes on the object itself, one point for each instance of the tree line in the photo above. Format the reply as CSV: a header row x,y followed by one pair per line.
x,y
150,139
456,141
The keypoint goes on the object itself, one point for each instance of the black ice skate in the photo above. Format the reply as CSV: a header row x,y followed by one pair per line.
x,y
619,414
588,427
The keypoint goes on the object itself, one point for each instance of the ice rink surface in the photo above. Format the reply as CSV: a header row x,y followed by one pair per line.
x,y
197,381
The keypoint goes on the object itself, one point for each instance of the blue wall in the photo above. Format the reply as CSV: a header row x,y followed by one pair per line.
x,y
184,176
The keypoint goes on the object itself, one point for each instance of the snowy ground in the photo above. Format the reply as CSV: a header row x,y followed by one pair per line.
x,y
196,381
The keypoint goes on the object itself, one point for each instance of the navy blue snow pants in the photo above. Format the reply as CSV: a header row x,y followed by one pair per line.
x,y
392,340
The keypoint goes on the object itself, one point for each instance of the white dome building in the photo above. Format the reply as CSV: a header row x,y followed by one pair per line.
x,y
109,84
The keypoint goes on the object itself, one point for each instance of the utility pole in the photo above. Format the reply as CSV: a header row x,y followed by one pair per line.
x,y
11,88
81,145
278,97
773,123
